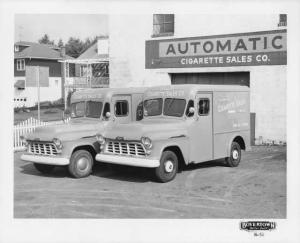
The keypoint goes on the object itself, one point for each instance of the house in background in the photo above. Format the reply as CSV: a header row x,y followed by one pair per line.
x,y
91,67
33,62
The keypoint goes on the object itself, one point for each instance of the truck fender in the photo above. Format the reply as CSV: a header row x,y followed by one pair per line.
x,y
231,140
181,146
70,147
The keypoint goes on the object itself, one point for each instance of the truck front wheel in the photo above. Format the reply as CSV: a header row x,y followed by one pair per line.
x,y
43,168
81,164
235,155
168,167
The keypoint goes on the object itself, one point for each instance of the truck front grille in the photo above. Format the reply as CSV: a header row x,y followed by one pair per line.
x,y
42,148
125,148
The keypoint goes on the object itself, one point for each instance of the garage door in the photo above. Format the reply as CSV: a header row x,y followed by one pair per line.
x,y
231,78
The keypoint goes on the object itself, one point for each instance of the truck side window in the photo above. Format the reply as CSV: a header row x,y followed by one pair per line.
x,y
106,109
121,108
190,104
203,107
139,111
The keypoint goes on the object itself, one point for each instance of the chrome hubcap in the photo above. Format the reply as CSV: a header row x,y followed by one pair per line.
x,y
235,154
82,163
169,166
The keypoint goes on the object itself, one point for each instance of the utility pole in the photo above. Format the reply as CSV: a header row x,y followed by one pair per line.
x,y
38,90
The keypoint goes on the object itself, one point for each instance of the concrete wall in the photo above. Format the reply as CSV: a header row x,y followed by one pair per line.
x,y
128,34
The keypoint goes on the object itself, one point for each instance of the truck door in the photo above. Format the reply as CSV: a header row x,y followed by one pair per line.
x,y
121,108
201,144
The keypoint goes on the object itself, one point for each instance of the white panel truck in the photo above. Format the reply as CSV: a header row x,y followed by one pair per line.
x,y
182,124
74,144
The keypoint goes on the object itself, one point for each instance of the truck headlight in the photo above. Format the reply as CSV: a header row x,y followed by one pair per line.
x,y
24,141
146,142
100,138
57,142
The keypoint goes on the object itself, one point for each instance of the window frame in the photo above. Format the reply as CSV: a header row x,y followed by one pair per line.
x,y
164,33
140,107
106,108
21,67
198,106
85,70
188,106
82,70
127,103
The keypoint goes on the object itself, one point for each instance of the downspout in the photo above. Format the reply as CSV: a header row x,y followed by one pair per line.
x,y
63,75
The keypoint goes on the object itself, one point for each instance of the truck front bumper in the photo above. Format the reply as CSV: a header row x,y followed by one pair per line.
x,y
48,160
131,161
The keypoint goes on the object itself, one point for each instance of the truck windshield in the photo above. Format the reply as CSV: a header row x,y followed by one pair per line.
x,y
170,107
153,107
77,109
174,107
91,109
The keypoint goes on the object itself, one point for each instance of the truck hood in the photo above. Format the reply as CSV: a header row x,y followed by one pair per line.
x,y
154,129
75,129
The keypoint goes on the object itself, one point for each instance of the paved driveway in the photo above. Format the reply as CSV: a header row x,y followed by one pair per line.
x,y
255,189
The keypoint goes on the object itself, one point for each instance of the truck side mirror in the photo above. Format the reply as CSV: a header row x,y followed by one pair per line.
x,y
107,115
191,110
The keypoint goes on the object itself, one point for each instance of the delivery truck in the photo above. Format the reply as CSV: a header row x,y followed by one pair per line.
x,y
73,144
182,124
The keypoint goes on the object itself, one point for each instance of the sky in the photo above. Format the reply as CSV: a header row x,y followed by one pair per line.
x,y
31,27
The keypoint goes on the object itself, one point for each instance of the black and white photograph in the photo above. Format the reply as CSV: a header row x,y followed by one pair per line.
x,y
141,124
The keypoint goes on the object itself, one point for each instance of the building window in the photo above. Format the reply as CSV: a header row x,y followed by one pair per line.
x,y
203,107
85,70
282,20
163,24
82,71
21,65
100,70
16,48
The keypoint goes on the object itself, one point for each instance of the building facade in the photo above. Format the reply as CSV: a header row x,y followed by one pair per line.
x,y
33,62
147,50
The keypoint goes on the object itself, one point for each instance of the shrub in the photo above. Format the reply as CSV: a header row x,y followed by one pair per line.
x,y
58,102
67,111
17,109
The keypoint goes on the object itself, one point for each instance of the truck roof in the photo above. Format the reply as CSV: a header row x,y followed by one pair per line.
x,y
204,87
188,90
98,93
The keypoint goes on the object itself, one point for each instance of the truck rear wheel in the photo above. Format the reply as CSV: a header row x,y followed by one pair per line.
x,y
168,167
235,155
43,168
81,164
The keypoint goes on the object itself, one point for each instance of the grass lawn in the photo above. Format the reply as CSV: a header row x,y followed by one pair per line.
x,y
47,114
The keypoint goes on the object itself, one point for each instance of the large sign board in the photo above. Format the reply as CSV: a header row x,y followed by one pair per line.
x,y
37,76
243,49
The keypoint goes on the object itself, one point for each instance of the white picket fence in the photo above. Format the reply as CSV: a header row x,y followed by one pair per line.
x,y
29,126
